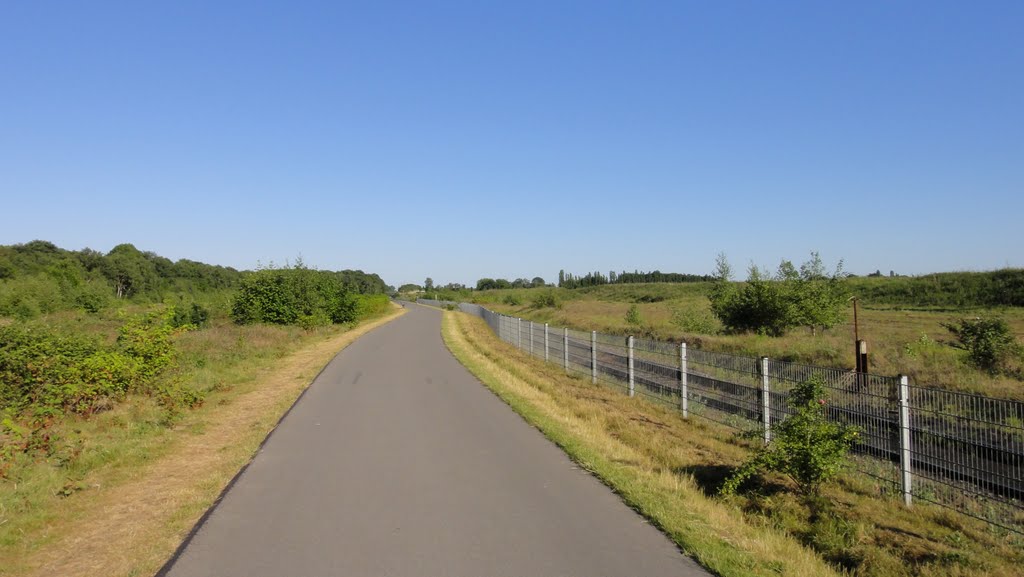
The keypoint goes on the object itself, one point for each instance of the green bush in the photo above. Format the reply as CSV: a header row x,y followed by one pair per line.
x,y
294,296
806,446
758,306
48,373
310,322
633,316
545,299
512,300
194,316
372,305
92,296
34,360
989,343
772,305
695,321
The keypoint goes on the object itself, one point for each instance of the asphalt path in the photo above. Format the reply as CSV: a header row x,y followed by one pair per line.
x,y
398,462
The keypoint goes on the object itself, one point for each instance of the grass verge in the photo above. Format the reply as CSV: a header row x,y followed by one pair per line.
x,y
669,469
142,486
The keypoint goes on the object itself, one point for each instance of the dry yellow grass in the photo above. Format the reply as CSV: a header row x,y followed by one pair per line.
x,y
133,525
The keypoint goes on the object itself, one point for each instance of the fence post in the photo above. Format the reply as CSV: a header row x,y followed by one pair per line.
x,y
683,401
565,349
593,356
905,453
531,338
765,404
629,345
519,333
546,342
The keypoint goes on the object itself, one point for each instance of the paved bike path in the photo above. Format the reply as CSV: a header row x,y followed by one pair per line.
x,y
398,462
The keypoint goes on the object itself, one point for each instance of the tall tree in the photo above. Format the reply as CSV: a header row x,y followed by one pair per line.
x,y
129,270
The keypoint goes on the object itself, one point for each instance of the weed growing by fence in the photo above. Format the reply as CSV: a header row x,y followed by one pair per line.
x,y
807,447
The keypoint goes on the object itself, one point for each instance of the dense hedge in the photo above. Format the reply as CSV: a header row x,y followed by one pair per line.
x,y
294,296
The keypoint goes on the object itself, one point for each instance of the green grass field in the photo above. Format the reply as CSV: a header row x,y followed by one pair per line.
x,y
902,339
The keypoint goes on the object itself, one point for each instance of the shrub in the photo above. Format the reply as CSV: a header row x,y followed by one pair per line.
x,y
512,300
147,339
633,316
33,361
284,296
194,315
92,298
695,321
371,305
807,447
310,322
989,343
759,306
545,299
49,373
772,305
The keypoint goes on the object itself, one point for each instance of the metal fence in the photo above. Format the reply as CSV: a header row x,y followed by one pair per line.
x,y
957,450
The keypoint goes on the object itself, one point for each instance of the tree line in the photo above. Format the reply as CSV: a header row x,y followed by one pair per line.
x,y
39,277
571,281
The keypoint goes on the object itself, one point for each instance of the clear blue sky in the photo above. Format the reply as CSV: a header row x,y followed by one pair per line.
x,y
460,140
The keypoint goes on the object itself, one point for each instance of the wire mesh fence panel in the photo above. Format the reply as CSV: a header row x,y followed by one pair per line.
x,y
967,453
556,348
740,369
579,351
656,370
472,309
731,404
612,361
506,328
537,342
492,319
724,388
